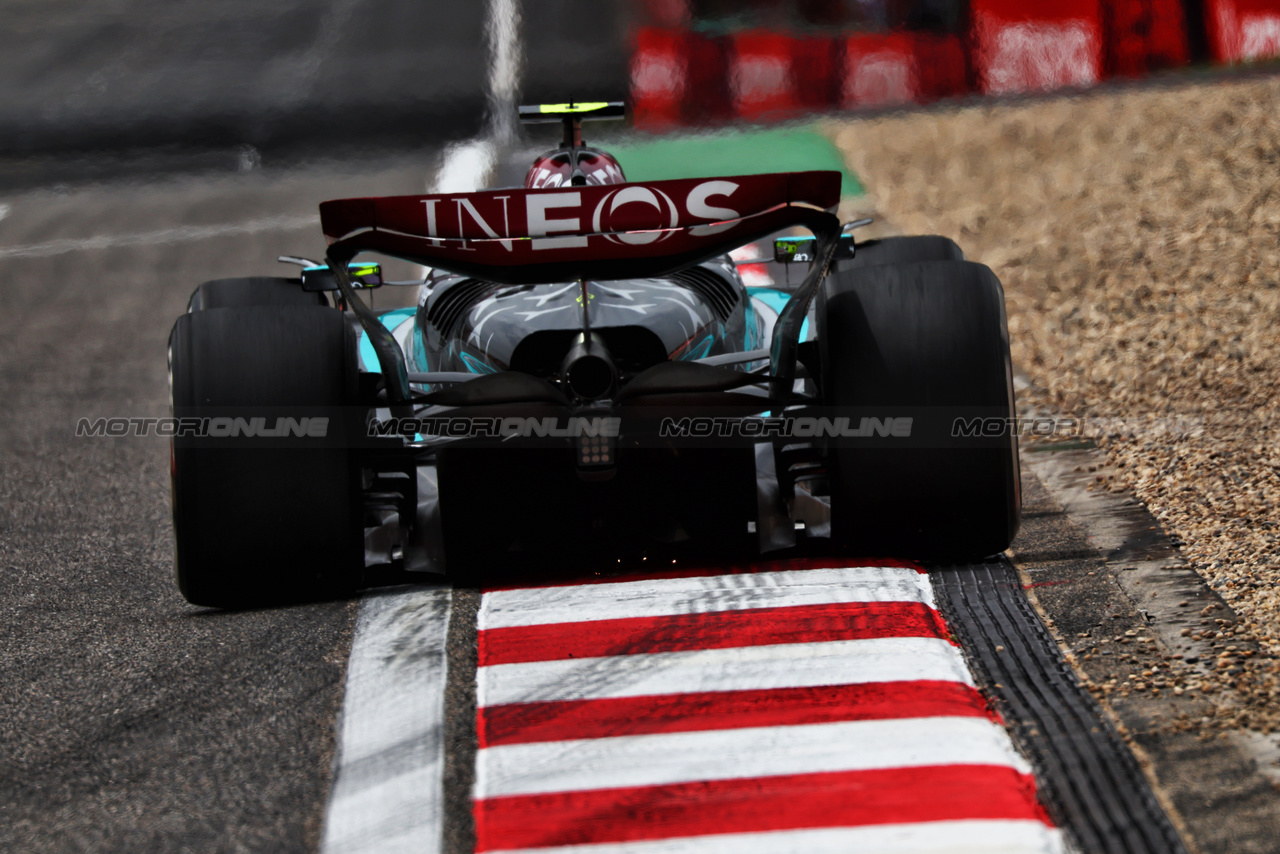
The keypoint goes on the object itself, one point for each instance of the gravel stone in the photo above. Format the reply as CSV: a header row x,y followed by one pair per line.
x,y
1137,234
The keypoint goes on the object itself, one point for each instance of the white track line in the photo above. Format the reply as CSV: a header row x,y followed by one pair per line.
x,y
791,665
183,234
387,793
934,837
462,163
671,596
506,57
682,757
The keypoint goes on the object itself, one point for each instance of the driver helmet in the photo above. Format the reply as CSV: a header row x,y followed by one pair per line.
x,y
574,166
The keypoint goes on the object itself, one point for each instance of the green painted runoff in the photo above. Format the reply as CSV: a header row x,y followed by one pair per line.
x,y
732,152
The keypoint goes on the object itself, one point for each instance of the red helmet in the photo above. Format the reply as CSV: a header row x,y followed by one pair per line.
x,y
573,166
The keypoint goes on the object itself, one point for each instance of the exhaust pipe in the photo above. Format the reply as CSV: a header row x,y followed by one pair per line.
x,y
588,369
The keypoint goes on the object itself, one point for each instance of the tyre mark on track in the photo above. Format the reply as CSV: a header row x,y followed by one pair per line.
x,y
182,234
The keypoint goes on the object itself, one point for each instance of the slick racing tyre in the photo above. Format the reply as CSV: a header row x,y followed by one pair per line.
x,y
255,290
265,492
928,342
903,250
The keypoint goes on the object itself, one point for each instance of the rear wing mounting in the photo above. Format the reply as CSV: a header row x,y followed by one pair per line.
x,y
634,230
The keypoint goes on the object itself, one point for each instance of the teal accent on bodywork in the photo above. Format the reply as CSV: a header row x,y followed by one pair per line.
x,y
419,355
369,359
776,299
391,320
697,352
771,297
357,268
751,340
476,366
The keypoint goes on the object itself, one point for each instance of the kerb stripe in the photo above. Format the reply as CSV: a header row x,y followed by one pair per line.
x,y
747,668
795,563
762,804
522,723
972,836
668,758
714,630
701,594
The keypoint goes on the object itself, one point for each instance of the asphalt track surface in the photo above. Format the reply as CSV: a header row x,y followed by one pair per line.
x,y
283,77
130,720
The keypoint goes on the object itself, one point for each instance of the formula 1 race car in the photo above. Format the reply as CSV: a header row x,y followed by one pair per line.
x,y
586,374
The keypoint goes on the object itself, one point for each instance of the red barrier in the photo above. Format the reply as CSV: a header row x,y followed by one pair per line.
x,y
707,98
879,70
816,66
680,76
1243,30
1019,46
760,77
941,66
1145,35
659,77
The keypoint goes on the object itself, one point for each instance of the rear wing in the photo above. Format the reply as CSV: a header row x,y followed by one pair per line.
x,y
519,236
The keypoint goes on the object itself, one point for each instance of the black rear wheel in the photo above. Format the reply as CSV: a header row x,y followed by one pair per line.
x,y
254,290
926,341
903,250
261,519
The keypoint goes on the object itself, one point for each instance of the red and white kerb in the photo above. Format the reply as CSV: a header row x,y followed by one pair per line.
x,y
807,707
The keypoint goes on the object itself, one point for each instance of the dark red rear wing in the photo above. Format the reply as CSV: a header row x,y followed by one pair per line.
x,y
592,232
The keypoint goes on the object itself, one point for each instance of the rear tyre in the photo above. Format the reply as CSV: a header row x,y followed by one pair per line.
x,y
261,520
903,250
927,341
255,290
